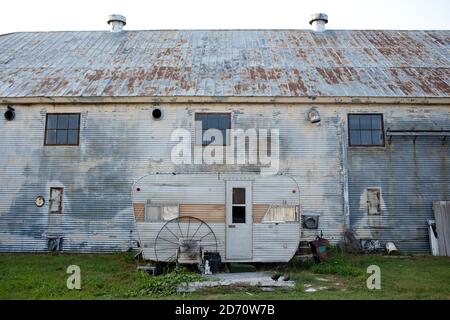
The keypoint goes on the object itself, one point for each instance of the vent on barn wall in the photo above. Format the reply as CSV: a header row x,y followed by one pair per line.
x,y
310,220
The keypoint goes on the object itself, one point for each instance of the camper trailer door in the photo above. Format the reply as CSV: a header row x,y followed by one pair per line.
x,y
239,220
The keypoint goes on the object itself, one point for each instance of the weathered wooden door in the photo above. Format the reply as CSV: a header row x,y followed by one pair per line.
x,y
239,220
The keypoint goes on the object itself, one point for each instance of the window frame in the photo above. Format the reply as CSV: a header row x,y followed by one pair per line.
x,y
62,114
366,145
227,138
377,192
61,195
296,214
241,205
161,206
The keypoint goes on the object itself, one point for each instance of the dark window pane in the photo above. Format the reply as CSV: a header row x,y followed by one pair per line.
x,y
72,137
353,121
224,136
355,137
63,121
61,137
223,122
51,137
220,122
73,121
52,121
238,214
202,119
376,122
213,121
238,195
366,137
365,122
377,137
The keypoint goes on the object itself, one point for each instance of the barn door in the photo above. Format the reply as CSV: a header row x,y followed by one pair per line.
x,y
239,220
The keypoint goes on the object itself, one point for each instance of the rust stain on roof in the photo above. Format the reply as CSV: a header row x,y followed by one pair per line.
x,y
225,63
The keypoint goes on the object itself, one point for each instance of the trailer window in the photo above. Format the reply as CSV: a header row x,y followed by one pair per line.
x,y
366,130
161,212
281,214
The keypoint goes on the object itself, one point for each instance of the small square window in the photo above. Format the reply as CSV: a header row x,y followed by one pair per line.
x,y
62,129
213,127
238,214
238,195
366,130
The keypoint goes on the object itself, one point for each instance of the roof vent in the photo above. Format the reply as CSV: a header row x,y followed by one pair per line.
x,y
117,22
318,21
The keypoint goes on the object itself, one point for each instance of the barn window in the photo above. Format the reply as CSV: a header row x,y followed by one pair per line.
x,y
373,201
161,212
281,214
366,129
211,126
56,200
62,129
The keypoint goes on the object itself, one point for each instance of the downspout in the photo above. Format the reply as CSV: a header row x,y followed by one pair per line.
x,y
344,173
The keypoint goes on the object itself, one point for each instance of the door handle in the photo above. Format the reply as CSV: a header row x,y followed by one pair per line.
x,y
231,226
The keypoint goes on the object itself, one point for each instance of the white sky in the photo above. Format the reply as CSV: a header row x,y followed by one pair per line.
x,y
46,15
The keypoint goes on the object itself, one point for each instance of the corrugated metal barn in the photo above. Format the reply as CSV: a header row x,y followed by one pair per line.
x,y
87,138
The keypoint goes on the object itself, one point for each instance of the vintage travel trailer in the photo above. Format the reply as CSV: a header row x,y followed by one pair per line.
x,y
245,217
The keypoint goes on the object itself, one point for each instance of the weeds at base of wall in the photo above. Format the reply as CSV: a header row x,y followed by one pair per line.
x,y
337,264
163,285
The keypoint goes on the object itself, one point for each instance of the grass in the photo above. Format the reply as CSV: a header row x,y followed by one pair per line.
x,y
114,276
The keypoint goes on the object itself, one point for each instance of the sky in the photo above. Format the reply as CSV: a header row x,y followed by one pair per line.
x,y
54,15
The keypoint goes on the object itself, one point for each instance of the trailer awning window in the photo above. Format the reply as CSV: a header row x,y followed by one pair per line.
x,y
281,214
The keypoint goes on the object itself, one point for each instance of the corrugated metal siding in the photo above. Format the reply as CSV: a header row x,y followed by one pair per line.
x,y
97,211
273,63
410,175
121,143
275,243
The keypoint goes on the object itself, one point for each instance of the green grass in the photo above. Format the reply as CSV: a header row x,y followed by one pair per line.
x,y
114,276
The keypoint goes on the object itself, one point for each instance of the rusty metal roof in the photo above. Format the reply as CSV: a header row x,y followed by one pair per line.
x,y
262,63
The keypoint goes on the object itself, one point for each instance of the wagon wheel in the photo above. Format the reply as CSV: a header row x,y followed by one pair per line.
x,y
180,229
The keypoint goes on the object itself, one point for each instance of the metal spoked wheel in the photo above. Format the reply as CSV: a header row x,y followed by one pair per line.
x,y
183,231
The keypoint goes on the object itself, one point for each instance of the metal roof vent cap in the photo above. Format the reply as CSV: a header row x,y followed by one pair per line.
x,y
117,22
318,21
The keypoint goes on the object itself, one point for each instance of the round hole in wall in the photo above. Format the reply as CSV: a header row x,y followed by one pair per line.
x,y
138,189
157,114
10,114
